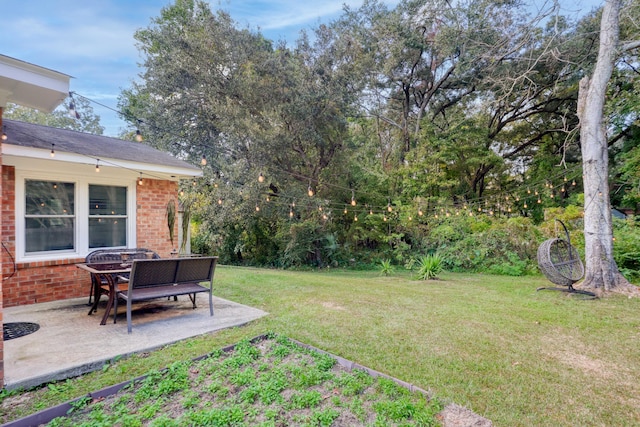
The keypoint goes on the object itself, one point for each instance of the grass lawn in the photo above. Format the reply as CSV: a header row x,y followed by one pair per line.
x,y
490,343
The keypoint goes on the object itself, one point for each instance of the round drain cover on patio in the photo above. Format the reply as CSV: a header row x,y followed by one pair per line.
x,y
18,329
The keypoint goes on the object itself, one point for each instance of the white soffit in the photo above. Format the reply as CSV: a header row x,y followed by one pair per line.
x,y
30,85
41,160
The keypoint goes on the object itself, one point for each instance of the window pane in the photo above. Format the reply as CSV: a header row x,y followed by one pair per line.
x,y
49,198
107,232
107,200
49,234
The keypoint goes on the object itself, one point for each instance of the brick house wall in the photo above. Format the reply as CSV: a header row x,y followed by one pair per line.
x,y
43,281
1,267
151,211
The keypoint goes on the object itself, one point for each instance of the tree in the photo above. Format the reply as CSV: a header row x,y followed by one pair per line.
x,y
86,121
601,273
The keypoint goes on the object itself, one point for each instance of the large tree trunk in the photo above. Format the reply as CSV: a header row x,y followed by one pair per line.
x,y
601,272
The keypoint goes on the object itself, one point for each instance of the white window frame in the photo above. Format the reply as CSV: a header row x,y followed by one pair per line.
x,y
81,195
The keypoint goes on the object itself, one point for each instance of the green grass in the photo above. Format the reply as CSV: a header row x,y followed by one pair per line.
x,y
490,343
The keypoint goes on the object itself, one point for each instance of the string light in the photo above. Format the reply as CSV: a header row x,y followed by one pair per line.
x,y
257,208
97,165
389,208
203,161
290,213
261,177
420,213
53,153
73,113
140,179
310,191
355,218
220,201
353,199
4,133
138,134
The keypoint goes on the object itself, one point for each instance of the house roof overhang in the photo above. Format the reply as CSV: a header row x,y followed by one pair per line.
x,y
29,146
31,85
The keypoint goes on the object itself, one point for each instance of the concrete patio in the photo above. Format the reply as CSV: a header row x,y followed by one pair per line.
x,y
69,342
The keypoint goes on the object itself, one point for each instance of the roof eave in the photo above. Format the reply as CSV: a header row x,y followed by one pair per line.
x,y
19,156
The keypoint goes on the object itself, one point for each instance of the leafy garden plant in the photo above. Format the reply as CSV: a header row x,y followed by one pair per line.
x,y
385,267
429,266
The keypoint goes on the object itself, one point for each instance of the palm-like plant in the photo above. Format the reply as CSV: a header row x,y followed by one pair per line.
x,y
430,266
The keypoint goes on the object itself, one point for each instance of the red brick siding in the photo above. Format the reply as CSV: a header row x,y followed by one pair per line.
x,y
2,252
151,211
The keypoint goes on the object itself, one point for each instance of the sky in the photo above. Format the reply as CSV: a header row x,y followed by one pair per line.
x,y
93,41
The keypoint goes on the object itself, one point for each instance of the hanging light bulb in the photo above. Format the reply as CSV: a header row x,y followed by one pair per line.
x,y
410,218
73,113
138,135
573,182
261,177
203,161
310,191
290,213
353,199
140,179
355,218
320,208
525,205
370,211
389,208
53,153
346,211
219,201
420,212
268,199
384,218
4,133
97,165
324,216
182,192
257,208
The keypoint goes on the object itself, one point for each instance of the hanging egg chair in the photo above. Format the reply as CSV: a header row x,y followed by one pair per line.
x,y
561,264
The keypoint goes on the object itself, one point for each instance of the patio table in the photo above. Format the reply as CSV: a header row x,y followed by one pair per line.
x,y
108,272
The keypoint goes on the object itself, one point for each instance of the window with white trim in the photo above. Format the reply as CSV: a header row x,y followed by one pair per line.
x,y
49,216
69,216
107,216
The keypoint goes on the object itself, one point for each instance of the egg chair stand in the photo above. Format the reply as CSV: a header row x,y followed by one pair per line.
x,y
561,264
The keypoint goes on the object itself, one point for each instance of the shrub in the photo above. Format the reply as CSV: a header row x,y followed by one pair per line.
x,y
385,267
430,266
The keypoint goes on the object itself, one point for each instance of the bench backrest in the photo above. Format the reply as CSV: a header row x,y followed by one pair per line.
x,y
105,255
159,272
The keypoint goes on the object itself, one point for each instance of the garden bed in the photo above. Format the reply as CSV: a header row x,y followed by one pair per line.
x,y
269,381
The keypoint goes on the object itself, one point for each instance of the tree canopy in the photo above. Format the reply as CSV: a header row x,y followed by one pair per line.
x,y
369,130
